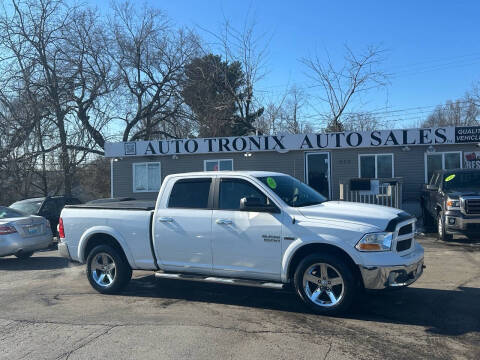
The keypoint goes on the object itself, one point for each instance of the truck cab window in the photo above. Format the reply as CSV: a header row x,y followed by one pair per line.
x,y
233,190
190,194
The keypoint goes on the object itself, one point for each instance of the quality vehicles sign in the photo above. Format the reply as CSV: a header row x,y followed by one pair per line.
x,y
284,143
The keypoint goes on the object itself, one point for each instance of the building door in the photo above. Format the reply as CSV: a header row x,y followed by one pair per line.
x,y
317,172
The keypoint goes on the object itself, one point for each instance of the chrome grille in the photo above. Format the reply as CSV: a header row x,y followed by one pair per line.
x,y
404,245
404,237
407,229
472,206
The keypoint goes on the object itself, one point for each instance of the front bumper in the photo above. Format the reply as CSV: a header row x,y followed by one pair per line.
x,y
458,223
381,277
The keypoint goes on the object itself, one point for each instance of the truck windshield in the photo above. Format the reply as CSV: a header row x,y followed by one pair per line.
x,y
462,181
292,191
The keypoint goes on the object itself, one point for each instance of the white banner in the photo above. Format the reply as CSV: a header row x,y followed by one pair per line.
x,y
284,143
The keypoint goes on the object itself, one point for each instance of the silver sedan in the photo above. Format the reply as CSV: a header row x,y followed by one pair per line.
x,y
21,234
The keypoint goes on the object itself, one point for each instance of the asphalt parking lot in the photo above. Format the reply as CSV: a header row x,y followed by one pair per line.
x,y
49,311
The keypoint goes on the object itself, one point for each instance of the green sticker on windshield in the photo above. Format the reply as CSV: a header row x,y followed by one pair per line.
x,y
450,177
271,182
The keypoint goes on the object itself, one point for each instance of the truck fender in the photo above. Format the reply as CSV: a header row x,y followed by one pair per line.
x,y
96,230
296,245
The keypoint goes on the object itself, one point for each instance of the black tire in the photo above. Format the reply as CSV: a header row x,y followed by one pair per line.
x,y
24,255
120,276
335,264
442,235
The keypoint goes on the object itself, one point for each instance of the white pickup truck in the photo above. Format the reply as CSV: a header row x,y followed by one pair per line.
x,y
246,228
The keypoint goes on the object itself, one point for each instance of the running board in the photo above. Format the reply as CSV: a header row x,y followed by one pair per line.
x,y
219,280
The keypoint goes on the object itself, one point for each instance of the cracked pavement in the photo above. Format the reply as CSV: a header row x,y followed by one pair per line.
x,y
49,311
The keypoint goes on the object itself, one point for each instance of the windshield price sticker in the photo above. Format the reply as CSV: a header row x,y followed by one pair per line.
x,y
450,177
271,182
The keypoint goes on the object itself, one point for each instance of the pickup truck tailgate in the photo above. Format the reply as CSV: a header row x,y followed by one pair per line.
x,y
128,225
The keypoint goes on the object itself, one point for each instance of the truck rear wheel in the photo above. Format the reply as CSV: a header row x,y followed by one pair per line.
x,y
107,269
325,283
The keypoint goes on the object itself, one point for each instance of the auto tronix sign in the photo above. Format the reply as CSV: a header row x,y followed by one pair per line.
x,y
290,142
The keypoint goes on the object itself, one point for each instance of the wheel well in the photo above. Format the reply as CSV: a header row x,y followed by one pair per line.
x,y
322,248
102,239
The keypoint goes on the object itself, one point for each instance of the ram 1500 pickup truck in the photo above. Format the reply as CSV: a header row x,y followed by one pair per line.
x,y
246,228
451,201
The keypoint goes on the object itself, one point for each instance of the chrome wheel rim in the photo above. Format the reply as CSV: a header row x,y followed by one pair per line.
x,y
323,284
103,269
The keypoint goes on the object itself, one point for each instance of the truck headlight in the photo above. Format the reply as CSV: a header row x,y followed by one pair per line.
x,y
381,241
453,204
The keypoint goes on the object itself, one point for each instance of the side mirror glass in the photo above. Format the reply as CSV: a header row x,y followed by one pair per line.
x,y
432,187
257,205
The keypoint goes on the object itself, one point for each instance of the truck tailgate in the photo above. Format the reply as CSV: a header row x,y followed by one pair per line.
x,y
130,227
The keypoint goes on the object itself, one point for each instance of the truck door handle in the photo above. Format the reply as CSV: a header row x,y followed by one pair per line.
x,y
165,219
223,222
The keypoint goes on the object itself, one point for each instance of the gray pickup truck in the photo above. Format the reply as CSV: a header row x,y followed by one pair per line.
x,y
451,201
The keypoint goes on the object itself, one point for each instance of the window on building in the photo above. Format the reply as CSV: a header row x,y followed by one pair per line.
x,y
146,177
216,165
233,190
190,194
441,161
376,166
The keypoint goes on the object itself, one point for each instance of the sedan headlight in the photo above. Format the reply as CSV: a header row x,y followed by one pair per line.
x,y
375,242
453,204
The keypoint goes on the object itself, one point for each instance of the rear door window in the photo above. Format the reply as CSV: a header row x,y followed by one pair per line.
x,y
190,194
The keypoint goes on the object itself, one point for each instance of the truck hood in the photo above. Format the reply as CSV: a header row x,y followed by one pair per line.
x,y
364,214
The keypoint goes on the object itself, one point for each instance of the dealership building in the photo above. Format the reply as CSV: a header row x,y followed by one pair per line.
x,y
381,166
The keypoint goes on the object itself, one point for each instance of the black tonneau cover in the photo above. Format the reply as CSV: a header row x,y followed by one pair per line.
x,y
119,205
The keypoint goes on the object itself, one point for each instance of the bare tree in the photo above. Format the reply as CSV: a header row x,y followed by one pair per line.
x,y
286,115
35,37
150,56
364,121
340,84
250,49
462,112
85,49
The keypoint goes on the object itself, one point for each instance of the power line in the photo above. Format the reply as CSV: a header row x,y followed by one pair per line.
x,y
410,69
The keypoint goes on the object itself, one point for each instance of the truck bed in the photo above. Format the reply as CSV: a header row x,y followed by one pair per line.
x,y
128,222
119,205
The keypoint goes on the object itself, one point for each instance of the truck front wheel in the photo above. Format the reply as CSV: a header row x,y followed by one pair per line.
x,y
442,234
107,270
325,283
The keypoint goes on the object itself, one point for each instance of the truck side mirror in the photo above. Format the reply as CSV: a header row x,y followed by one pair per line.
x,y
432,187
257,205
